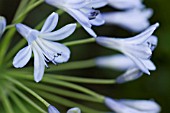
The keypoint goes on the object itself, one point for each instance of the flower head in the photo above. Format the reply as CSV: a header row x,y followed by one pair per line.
x,y
2,25
84,11
42,45
137,48
126,4
132,106
135,20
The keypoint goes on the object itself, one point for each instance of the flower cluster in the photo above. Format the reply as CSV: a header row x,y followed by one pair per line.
x,y
135,59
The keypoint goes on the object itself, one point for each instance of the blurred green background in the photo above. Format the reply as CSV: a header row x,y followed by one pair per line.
x,y
156,86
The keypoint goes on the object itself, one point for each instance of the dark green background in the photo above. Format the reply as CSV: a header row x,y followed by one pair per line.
x,y
156,86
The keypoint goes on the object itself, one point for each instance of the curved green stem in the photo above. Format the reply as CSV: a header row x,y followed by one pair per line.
x,y
19,93
6,103
62,92
65,84
81,80
19,103
28,90
32,6
72,65
78,42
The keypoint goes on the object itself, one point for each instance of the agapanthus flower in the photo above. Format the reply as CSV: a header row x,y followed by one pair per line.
x,y
132,106
135,48
52,109
2,25
135,20
84,11
124,63
42,45
126,4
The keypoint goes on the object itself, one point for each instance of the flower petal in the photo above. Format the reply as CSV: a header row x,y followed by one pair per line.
x,y
148,106
50,23
61,52
140,51
22,57
135,20
23,29
142,37
97,3
39,65
59,34
126,4
129,75
74,110
112,43
2,25
80,17
138,63
118,107
52,109
76,4
98,20
149,64
118,62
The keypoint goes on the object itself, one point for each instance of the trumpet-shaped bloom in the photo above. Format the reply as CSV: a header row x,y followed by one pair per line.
x,y
133,72
84,11
135,20
42,45
132,106
52,109
126,4
2,25
135,48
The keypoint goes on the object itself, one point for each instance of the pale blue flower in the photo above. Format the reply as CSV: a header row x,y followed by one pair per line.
x,y
52,109
124,63
126,4
74,110
132,106
135,20
135,48
133,72
84,11
42,45
2,25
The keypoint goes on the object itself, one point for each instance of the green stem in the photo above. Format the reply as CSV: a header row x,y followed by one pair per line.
x,y
21,7
32,6
61,92
6,103
19,103
65,84
28,90
81,80
28,100
73,65
78,42
68,103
